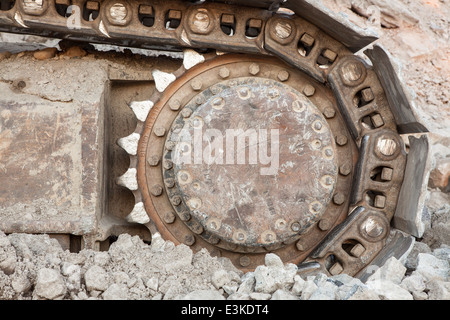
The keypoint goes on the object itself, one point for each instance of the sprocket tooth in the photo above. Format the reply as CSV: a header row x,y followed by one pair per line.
x,y
19,19
128,179
141,109
162,79
138,214
192,58
103,30
130,143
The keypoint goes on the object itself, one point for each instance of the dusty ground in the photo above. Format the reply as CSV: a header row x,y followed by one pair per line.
x,y
417,34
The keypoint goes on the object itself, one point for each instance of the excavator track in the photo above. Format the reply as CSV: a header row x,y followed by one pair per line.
x,y
273,136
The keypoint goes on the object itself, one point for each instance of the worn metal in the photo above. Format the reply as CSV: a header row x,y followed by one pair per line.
x,y
408,213
341,163
233,210
395,93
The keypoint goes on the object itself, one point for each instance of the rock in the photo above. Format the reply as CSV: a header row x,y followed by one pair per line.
x,y
179,258
96,279
393,270
49,285
281,294
72,272
347,286
364,293
419,247
309,288
442,253
220,278
392,14
152,283
239,296
116,292
230,289
274,275
21,284
158,243
101,258
388,290
298,286
29,246
325,291
8,255
5,55
438,290
414,283
260,296
439,176
439,233
75,52
432,268
248,283
45,54
204,295
272,260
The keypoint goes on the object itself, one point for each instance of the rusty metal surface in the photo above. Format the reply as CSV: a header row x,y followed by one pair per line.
x,y
50,177
324,150
395,93
243,198
340,125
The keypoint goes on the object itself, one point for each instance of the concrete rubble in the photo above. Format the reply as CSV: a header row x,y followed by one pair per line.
x,y
36,267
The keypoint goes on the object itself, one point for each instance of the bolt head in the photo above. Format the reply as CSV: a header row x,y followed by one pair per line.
x,y
329,112
200,21
169,217
153,160
244,261
341,140
159,131
309,90
189,240
283,29
156,190
283,75
253,69
339,198
345,169
196,84
224,73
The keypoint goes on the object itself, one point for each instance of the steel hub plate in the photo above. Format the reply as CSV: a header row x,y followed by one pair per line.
x,y
254,162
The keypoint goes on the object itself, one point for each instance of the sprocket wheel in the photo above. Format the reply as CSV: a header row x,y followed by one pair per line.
x,y
242,155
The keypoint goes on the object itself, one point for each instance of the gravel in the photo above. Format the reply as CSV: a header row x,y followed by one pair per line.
x,y
35,267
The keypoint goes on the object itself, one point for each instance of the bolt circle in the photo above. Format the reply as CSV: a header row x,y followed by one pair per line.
x,y
214,84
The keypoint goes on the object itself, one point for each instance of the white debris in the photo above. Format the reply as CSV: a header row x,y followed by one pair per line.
x,y
162,79
130,143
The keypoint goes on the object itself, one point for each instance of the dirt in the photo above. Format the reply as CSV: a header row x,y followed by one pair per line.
x,y
415,33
